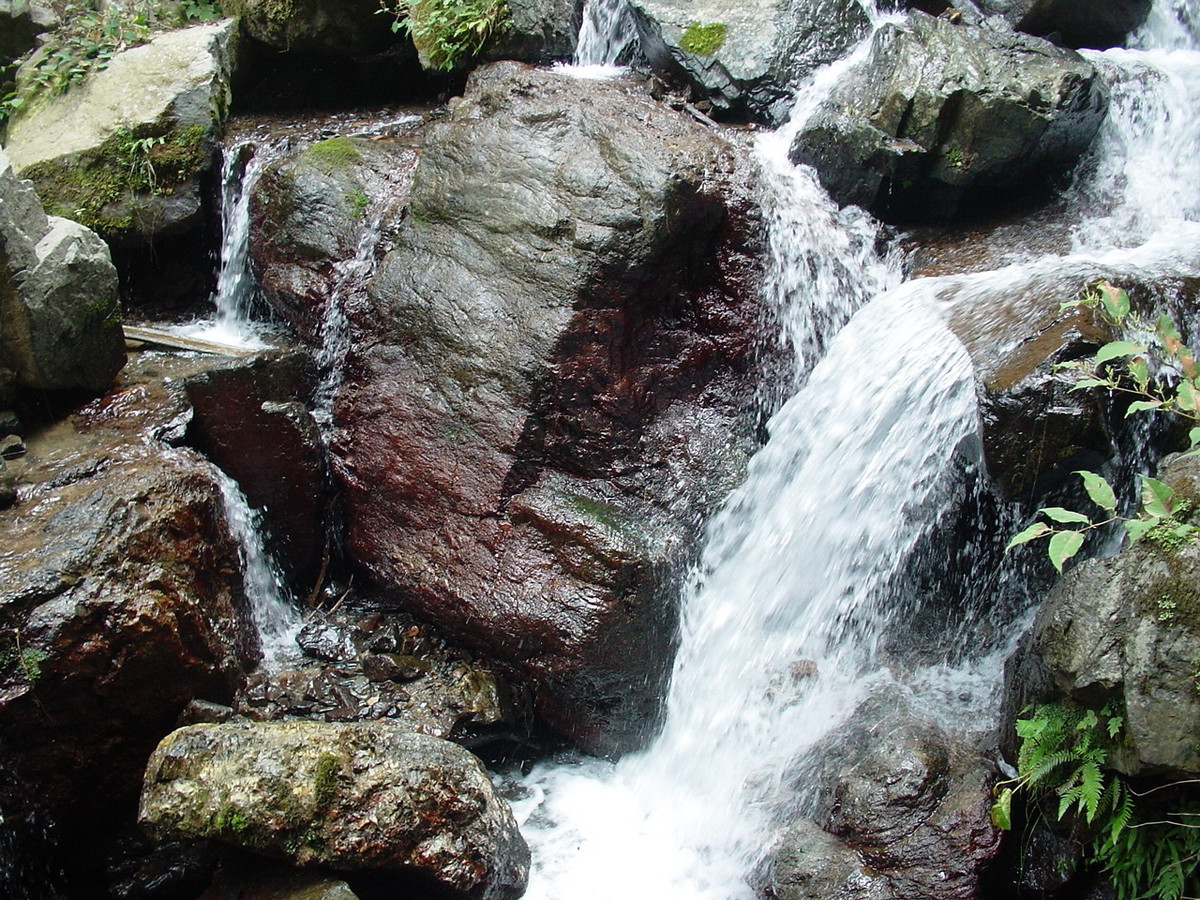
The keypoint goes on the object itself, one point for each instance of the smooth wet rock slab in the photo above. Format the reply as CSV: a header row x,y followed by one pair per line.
x,y
367,796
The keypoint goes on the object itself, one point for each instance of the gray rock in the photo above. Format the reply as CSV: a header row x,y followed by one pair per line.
x,y
940,112
911,799
1124,628
537,31
123,151
812,864
367,796
60,318
1075,23
747,58
562,328
341,27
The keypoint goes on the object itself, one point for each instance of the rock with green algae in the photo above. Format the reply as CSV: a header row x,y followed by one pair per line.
x,y
361,796
60,318
123,151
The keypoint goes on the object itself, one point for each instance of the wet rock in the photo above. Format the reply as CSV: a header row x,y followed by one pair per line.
x,y
747,58
12,447
120,601
123,151
247,419
1124,629
312,213
533,376
60,318
1096,23
350,797
328,641
909,798
245,882
333,27
536,31
812,864
940,114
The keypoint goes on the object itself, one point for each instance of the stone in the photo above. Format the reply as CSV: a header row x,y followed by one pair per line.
x,y
364,796
909,798
123,151
331,27
247,419
1074,23
942,116
1124,629
59,311
544,393
313,212
536,31
278,883
747,58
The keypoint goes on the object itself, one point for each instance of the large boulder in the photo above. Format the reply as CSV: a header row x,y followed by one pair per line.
x,y
941,113
1075,23
60,317
546,389
905,808
366,796
1125,629
747,58
536,31
123,151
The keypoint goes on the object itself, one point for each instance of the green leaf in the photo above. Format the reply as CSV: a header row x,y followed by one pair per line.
x,y
1084,383
1114,300
1002,810
1117,349
1156,497
1137,528
1063,546
1058,514
1099,490
1033,532
1142,405
1139,371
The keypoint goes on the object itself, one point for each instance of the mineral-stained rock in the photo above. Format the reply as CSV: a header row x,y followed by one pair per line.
x,y
1124,629
123,151
747,58
565,322
940,113
60,318
349,797
909,798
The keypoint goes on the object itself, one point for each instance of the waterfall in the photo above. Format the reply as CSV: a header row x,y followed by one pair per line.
x,y
277,620
871,451
607,35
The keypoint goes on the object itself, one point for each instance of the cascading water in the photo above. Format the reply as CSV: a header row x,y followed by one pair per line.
x,y
277,620
784,623
608,34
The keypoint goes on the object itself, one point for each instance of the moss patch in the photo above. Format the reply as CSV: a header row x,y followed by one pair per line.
x,y
333,154
703,40
98,188
1173,600
328,768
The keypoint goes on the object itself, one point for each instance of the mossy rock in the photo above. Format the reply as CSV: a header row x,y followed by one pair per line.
x,y
703,40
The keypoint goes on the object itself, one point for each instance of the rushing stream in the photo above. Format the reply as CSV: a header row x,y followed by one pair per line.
x,y
785,622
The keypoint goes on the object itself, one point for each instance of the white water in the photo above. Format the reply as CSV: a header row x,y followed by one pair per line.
x,y
607,36
234,298
863,460
277,620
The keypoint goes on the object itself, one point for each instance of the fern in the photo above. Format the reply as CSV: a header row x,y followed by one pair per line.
x,y
1146,853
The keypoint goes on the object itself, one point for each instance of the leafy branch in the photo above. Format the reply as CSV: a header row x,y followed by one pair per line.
x,y
1161,373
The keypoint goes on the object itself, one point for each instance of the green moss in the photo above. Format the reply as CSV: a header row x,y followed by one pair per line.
x,y
604,513
358,201
703,40
95,189
1173,599
333,154
328,768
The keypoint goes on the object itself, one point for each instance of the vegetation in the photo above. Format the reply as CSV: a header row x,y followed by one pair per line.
x,y
447,33
1157,373
1063,761
334,153
87,40
703,40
